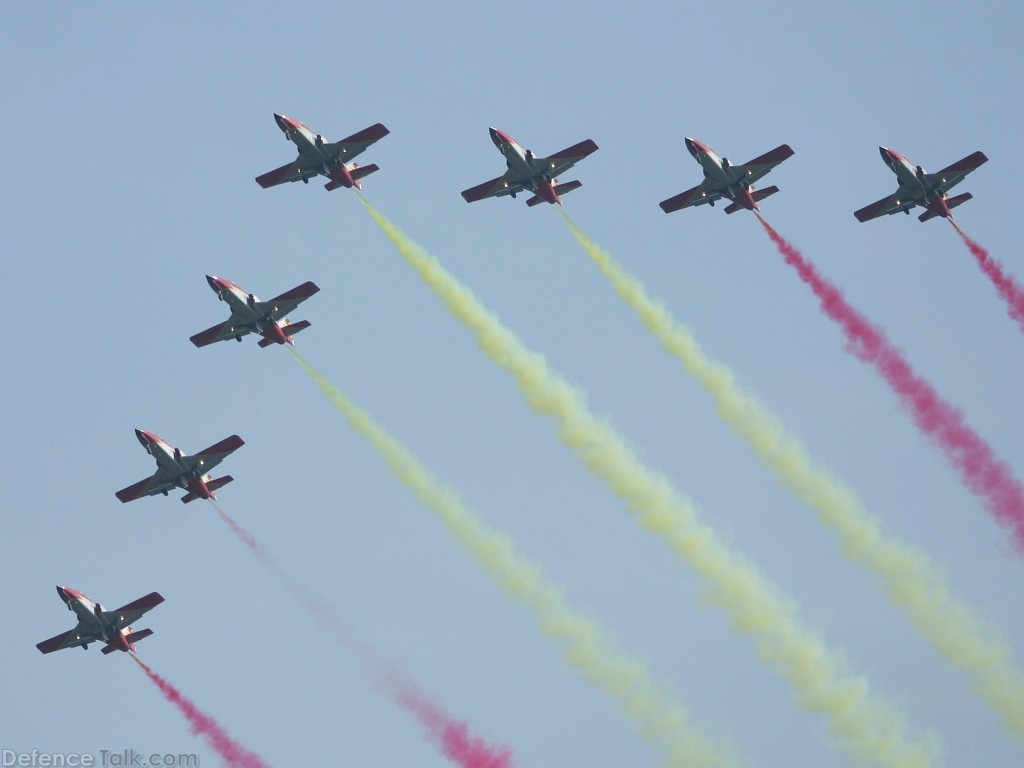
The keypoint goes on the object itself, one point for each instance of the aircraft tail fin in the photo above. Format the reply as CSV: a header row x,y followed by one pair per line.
x,y
951,203
759,194
560,189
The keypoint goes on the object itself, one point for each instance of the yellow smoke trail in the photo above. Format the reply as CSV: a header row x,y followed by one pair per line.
x,y
868,728
910,579
657,718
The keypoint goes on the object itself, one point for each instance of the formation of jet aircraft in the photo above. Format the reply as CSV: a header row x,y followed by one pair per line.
x,y
929,190
175,469
525,173
250,315
113,628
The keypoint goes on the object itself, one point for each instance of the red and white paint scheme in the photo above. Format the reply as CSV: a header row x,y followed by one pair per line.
x,y
97,625
319,157
723,179
250,315
528,172
175,469
929,190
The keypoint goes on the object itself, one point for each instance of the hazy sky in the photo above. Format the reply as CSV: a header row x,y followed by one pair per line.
x,y
132,136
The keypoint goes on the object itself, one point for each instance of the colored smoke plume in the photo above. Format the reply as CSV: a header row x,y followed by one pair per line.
x,y
865,726
233,753
585,644
1011,293
986,475
451,734
911,581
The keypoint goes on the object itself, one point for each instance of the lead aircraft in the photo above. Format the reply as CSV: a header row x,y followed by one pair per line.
x,y
929,190
528,172
250,315
175,469
723,179
97,625
319,157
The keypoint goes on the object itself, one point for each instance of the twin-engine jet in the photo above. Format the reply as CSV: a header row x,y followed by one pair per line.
x,y
929,190
250,315
175,469
528,172
319,157
723,179
97,625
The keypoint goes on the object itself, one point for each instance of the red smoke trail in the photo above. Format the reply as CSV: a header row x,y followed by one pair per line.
x,y
450,734
1012,293
980,469
234,754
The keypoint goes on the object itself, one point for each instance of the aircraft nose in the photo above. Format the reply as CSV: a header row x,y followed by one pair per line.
x,y
500,137
67,593
145,437
282,121
695,147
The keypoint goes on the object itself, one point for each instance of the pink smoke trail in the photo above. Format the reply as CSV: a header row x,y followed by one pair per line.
x,y
234,754
449,733
985,474
1012,293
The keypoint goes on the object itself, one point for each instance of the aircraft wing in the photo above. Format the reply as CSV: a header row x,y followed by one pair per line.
x,y
901,199
128,614
287,301
562,161
160,482
503,185
952,175
760,166
208,458
295,171
699,195
236,325
355,144
80,635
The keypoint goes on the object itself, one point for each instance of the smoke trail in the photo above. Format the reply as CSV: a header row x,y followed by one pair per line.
x,y
985,474
233,753
586,645
452,735
910,579
1012,293
862,724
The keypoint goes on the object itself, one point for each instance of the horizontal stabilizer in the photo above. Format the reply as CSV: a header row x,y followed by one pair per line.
x,y
134,637
364,170
291,330
535,200
951,203
109,648
213,485
560,189
265,342
759,194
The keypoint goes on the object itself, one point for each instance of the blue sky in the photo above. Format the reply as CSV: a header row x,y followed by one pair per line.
x,y
131,140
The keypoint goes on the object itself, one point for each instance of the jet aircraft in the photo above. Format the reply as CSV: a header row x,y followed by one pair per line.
x,y
175,469
528,172
97,625
317,156
929,190
723,179
250,315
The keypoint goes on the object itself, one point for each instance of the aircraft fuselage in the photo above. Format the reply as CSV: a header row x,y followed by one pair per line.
x,y
722,175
